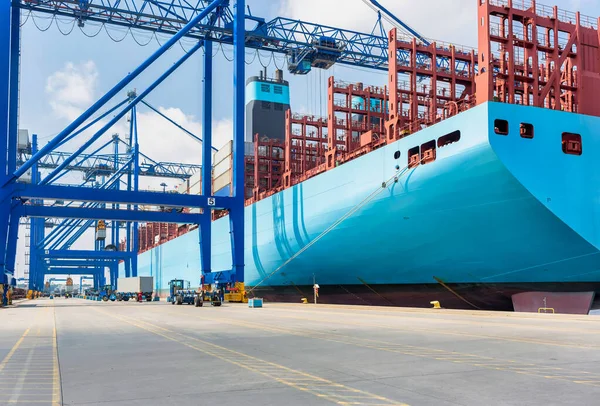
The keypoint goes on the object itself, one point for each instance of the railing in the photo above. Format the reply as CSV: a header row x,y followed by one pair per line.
x,y
543,10
311,118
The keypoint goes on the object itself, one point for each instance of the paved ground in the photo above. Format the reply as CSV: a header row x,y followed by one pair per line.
x,y
77,352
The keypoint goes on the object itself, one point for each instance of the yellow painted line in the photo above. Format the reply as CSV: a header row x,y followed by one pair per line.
x,y
30,395
409,329
57,396
558,318
446,316
320,387
442,355
13,350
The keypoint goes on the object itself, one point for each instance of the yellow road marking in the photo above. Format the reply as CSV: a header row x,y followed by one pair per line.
x,y
56,387
325,389
442,317
25,401
27,374
452,333
13,350
484,314
579,377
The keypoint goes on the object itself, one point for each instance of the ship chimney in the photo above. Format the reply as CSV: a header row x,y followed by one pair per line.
x,y
279,75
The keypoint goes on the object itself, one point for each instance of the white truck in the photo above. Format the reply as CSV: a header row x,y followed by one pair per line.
x,y
134,288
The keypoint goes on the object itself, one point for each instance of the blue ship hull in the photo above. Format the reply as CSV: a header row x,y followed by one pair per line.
x,y
493,215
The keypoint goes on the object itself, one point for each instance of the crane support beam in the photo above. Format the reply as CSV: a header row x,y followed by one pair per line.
x,y
67,193
79,263
84,254
73,271
102,214
105,164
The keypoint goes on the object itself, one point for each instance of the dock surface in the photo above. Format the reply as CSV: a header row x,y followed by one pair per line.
x,y
79,352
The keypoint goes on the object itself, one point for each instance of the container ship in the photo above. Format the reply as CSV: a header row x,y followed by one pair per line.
x,y
468,178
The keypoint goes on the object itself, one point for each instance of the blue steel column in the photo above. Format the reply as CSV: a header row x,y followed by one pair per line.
x,y
236,216
33,242
136,185
205,229
114,235
5,48
13,236
40,231
128,245
15,44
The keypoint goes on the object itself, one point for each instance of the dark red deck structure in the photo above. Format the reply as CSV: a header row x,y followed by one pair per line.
x,y
536,55
269,159
430,81
356,116
153,234
305,146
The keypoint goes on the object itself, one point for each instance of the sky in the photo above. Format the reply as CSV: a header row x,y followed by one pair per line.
x,y
65,69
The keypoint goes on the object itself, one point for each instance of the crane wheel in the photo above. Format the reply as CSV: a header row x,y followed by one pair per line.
x,y
105,298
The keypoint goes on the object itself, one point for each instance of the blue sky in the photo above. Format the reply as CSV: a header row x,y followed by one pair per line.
x,y
61,75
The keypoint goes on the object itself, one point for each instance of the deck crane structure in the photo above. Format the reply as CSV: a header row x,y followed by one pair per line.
x,y
306,46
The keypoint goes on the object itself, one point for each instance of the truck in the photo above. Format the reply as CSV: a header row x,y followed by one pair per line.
x,y
179,295
106,293
134,287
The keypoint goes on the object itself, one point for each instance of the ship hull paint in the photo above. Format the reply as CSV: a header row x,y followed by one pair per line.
x,y
474,217
466,296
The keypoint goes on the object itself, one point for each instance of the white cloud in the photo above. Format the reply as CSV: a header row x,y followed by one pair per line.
x,y
450,21
72,89
163,141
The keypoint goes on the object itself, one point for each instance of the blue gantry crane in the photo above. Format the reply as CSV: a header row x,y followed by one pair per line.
x,y
305,44
104,176
18,199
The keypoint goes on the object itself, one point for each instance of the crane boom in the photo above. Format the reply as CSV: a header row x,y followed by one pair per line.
x,y
293,38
